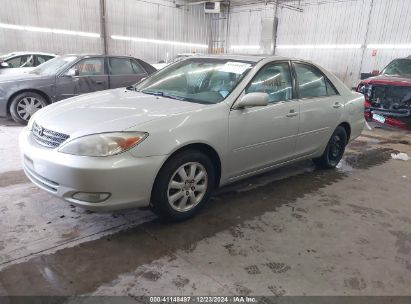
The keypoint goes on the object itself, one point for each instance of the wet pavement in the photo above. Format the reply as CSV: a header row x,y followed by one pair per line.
x,y
295,231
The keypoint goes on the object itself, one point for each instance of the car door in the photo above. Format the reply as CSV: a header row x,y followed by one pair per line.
x,y
320,108
124,71
260,137
85,76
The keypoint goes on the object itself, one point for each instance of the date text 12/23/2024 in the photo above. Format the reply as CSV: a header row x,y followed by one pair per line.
x,y
203,299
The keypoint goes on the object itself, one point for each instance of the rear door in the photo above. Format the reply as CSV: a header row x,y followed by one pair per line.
x,y
320,108
124,71
89,76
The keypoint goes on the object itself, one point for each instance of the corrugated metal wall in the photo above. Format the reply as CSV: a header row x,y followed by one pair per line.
x,y
155,20
159,19
74,15
246,25
325,22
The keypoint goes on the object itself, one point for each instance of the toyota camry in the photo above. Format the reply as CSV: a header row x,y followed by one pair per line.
x,y
198,124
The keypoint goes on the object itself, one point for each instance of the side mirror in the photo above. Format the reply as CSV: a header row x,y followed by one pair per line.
x,y
72,72
252,100
4,65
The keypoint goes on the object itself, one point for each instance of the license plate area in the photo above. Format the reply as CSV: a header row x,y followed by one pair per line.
x,y
378,118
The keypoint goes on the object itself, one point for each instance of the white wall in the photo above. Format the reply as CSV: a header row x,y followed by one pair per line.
x,y
158,19
333,22
74,15
245,25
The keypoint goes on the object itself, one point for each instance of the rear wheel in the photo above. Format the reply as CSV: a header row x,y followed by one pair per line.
x,y
24,105
334,150
183,186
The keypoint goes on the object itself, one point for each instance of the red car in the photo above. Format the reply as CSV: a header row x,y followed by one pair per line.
x,y
388,95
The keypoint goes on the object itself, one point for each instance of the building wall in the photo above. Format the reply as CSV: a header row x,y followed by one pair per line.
x,y
245,27
73,15
333,22
158,20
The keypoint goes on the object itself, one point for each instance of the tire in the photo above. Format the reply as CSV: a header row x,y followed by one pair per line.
x,y
334,150
24,105
177,198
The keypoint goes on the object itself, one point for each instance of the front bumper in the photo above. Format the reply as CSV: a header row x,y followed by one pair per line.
x,y
128,179
400,119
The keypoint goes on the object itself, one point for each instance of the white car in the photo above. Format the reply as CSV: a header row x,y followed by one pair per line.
x,y
199,124
22,62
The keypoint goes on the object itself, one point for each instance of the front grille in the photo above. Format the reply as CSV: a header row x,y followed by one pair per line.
x,y
46,137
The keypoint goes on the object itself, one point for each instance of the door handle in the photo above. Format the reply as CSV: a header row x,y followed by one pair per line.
x,y
99,81
292,113
337,105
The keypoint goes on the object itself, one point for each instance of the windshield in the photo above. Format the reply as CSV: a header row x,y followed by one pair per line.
x,y
53,65
200,80
4,56
399,67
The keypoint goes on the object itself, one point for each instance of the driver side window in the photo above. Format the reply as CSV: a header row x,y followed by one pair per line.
x,y
90,67
275,80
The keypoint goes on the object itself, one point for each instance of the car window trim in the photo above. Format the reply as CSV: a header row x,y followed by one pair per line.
x,y
141,67
325,80
11,58
129,59
62,73
293,83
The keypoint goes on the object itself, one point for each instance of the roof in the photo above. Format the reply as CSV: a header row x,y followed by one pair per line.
x,y
252,58
29,53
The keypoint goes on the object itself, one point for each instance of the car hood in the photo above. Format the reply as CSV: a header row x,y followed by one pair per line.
x,y
15,71
388,80
109,111
13,77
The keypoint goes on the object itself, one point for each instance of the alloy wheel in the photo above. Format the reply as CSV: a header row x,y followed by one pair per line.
x,y
187,186
27,106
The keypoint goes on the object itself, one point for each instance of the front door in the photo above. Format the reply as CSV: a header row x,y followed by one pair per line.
x,y
86,76
124,72
260,137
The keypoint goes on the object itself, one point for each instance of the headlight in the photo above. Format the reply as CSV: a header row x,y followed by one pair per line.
x,y
103,144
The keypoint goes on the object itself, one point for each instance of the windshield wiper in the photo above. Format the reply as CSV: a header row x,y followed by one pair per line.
x,y
160,93
131,88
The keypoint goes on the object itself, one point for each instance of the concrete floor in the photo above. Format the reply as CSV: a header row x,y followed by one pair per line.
x,y
296,231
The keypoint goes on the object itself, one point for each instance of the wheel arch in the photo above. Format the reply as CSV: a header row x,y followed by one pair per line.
x,y
347,128
41,93
204,148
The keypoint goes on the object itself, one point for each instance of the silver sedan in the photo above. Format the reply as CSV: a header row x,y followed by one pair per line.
x,y
198,124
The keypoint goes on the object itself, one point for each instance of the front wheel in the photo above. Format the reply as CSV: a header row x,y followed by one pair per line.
x,y
334,150
24,105
183,186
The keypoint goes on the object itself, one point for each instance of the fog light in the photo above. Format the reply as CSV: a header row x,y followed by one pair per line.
x,y
91,197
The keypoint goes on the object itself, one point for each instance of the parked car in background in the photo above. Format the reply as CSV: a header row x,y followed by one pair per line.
x,y
388,95
22,62
66,76
200,123
179,57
